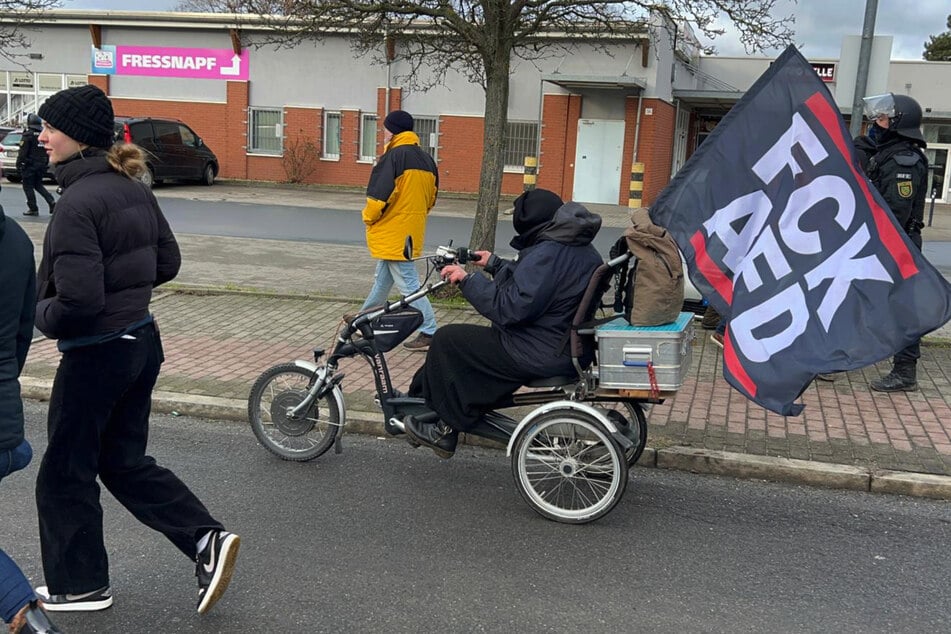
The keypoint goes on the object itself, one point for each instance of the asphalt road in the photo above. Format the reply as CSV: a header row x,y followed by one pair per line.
x,y
281,221
384,538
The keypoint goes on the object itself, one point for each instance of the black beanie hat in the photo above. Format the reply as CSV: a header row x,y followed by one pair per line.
x,y
398,121
83,113
534,208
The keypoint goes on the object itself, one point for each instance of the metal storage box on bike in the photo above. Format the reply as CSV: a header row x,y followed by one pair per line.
x,y
627,355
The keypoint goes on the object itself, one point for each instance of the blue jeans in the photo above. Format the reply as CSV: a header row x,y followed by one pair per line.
x,y
406,278
15,590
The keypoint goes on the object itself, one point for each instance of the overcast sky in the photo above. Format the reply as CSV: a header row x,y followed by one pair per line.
x,y
820,24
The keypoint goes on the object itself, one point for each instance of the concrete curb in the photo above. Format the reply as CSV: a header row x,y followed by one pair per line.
x,y
724,463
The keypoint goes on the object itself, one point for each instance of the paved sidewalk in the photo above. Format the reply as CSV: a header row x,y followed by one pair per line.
x,y
218,342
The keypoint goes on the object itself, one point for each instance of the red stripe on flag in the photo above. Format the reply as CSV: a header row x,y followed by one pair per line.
x,y
736,368
718,280
887,232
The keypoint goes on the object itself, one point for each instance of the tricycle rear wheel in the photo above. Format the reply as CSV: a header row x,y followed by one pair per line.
x,y
568,468
632,422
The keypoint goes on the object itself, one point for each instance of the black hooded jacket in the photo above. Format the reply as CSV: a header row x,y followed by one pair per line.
x,y
17,302
532,300
105,249
32,155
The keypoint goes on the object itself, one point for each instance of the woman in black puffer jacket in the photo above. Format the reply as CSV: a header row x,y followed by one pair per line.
x,y
105,250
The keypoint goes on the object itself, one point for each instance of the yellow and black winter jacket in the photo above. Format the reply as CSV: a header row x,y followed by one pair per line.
x,y
401,192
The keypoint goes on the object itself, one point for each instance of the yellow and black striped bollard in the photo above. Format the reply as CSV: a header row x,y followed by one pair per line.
x,y
637,186
531,171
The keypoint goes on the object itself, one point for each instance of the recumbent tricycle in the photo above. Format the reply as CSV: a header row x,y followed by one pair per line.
x,y
570,455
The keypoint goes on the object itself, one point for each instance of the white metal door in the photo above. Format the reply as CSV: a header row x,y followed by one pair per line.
x,y
598,161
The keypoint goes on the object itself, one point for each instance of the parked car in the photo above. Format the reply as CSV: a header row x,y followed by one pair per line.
x,y
173,150
9,149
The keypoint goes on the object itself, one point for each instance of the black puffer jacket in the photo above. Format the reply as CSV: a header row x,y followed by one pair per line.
x,y
17,292
532,300
105,249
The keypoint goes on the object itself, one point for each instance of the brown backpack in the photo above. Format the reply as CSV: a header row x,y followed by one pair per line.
x,y
651,289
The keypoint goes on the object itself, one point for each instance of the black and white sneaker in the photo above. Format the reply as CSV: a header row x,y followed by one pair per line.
x,y
214,566
84,602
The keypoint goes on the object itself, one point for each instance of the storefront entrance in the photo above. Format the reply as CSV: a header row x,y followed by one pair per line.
x,y
939,176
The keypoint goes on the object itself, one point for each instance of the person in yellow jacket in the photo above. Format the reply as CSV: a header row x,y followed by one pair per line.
x,y
402,190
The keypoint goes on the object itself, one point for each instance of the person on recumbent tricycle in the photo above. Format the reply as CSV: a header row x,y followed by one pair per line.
x,y
530,301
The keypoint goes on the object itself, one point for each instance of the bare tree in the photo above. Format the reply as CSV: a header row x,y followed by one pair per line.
x,y
480,39
16,16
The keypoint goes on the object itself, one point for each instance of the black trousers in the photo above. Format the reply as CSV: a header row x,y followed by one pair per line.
x,y
911,354
99,425
33,182
467,371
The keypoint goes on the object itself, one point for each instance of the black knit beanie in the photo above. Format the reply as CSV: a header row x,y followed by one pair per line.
x,y
83,113
533,208
398,121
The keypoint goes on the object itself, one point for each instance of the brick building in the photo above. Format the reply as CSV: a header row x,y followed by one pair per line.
x,y
313,113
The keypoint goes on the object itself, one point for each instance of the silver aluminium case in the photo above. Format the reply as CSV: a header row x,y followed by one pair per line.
x,y
624,352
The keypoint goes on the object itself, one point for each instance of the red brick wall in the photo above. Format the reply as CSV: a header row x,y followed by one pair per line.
x,y
627,156
460,153
224,129
555,126
232,150
655,146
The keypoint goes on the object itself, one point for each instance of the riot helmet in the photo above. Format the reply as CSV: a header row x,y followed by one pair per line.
x,y
33,122
903,112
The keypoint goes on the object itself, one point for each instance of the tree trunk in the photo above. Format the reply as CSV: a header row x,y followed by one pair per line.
x,y
490,180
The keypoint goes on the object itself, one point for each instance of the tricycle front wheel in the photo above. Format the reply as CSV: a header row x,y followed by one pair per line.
x,y
299,438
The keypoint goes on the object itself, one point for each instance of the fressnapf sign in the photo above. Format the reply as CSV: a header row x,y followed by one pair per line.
x,y
163,61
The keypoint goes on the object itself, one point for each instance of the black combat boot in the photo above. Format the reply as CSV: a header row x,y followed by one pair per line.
x,y
902,378
438,436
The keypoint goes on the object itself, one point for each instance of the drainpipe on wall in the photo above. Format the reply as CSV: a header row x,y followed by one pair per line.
x,y
538,137
388,53
637,125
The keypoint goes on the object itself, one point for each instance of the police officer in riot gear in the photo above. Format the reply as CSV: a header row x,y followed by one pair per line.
x,y
899,170
32,162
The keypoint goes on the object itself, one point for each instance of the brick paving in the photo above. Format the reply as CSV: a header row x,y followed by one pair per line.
x,y
217,344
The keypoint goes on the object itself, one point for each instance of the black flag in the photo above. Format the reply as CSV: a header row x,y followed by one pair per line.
x,y
786,237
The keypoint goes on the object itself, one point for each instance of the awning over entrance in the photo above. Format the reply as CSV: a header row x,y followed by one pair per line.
x,y
602,82
708,103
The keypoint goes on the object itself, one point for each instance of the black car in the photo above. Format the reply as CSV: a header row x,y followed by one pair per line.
x,y
172,150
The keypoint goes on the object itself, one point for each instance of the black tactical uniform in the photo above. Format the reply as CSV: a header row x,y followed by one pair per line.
x,y
899,170
32,162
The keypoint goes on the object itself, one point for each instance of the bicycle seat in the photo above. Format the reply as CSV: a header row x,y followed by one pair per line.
x,y
552,381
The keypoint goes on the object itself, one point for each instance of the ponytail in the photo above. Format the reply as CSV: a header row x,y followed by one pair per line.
x,y
128,159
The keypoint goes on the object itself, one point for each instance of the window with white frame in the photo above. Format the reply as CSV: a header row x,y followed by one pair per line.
x,y
265,131
426,129
521,139
332,126
368,137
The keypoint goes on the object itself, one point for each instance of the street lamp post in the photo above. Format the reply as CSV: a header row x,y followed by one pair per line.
x,y
865,54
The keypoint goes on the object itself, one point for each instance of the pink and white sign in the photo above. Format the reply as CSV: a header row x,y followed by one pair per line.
x,y
163,61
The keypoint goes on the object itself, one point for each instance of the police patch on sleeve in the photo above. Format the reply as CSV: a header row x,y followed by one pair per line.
x,y
905,189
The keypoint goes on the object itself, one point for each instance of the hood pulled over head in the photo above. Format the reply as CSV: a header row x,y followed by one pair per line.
x,y
533,211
